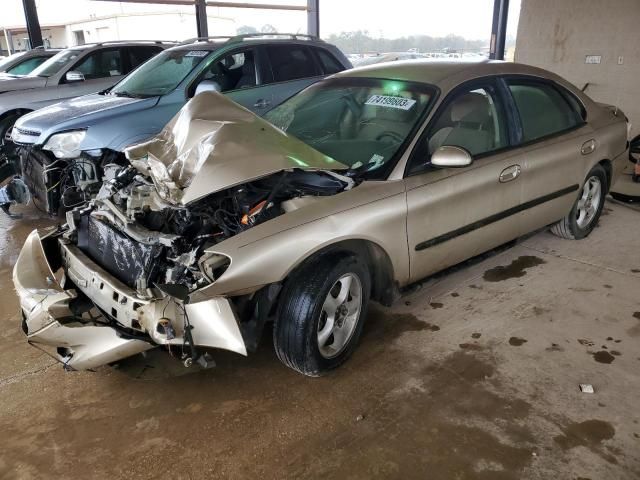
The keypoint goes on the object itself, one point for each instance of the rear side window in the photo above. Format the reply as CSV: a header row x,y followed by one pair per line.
x,y
27,66
139,55
328,62
543,109
290,62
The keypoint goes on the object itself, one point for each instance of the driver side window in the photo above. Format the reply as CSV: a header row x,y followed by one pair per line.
x,y
234,71
472,119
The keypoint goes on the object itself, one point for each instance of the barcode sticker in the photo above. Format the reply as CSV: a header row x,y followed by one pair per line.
x,y
400,103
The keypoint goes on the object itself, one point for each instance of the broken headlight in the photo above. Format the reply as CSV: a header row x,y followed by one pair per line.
x,y
213,265
65,145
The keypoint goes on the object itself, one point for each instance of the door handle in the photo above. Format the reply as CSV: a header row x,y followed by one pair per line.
x,y
262,103
588,147
510,173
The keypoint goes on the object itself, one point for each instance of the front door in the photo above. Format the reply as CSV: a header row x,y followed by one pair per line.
x,y
454,214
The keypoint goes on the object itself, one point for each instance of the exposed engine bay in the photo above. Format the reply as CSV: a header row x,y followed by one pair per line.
x,y
143,240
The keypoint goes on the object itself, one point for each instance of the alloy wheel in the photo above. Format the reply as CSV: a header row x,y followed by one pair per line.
x,y
339,317
588,204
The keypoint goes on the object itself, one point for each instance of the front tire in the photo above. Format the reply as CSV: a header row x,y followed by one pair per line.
x,y
584,215
321,313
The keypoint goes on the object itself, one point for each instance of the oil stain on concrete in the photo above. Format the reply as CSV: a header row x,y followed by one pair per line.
x,y
517,268
590,434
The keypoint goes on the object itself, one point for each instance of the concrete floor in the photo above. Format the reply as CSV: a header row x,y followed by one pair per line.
x,y
473,374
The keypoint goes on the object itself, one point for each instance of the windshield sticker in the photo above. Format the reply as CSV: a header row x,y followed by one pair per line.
x,y
391,102
197,53
375,161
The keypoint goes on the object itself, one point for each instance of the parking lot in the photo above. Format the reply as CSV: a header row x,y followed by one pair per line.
x,y
473,374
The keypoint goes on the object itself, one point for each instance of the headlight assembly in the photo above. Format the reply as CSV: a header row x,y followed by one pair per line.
x,y
65,145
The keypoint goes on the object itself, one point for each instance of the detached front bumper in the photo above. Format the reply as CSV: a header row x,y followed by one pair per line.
x,y
128,324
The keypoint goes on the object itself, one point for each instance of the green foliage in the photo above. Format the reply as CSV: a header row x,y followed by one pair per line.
x,y
361,42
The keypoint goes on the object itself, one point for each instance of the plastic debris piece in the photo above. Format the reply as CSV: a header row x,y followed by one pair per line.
x,y
586,388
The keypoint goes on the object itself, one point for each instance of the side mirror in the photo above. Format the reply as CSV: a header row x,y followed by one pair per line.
x,y
74,76
208,86
451,157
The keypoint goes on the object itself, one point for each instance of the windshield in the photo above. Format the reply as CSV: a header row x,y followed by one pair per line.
x,y
361,122
55,63
9,59
161,74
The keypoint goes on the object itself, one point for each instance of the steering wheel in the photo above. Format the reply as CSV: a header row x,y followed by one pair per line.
x,y
392,135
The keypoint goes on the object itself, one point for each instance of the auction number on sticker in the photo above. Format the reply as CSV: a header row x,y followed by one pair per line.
x,y
391,102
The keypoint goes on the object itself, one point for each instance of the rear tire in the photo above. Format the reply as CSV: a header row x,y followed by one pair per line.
x,y
584,215
321,313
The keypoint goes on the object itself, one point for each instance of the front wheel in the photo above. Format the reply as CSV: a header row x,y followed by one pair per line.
x,y
584,215
321,313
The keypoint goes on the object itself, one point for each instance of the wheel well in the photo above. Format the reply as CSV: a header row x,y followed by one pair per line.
x,y
384,288
10,113
606,164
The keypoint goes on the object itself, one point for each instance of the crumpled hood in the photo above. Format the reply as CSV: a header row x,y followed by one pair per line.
x,y
8,84
212,144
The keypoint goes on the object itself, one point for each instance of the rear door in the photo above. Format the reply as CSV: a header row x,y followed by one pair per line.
x,y
456,213
557,148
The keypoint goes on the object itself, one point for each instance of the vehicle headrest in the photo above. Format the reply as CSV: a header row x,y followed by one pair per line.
x,y
470,107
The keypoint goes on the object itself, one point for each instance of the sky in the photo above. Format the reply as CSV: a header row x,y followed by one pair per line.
x,y
389,19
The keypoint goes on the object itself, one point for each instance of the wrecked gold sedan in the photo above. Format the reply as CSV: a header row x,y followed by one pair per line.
x,y
347,192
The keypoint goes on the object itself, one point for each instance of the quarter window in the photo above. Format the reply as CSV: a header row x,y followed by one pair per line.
x,y
291,62
543,110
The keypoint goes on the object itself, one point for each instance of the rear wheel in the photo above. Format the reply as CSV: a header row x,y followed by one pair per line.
x,y
321,313
584,215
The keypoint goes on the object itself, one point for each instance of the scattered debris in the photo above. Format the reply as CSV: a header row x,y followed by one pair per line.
x,y
435,305
516,341
586,342
586,388
360,417
476,335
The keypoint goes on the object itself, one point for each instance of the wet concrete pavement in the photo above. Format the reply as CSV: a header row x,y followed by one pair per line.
x,y
472,375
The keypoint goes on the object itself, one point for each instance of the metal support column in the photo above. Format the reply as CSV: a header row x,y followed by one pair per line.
x,y
201,18
33,24
499,29
313,17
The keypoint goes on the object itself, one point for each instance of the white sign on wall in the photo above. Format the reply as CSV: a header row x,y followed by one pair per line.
x,y
593,59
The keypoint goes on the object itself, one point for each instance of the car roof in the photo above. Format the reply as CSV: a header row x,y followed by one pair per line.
x,y
214,43
443,73
123,43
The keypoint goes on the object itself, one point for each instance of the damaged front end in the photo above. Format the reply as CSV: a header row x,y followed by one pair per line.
x,y
118,279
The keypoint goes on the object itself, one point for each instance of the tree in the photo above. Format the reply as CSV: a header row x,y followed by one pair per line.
x,y
246,29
